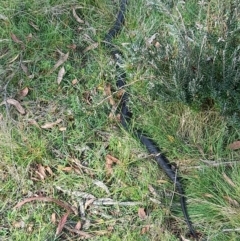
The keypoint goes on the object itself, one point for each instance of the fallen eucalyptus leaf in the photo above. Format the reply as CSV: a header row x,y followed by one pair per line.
x,y
234,146
16,104
90,47
141,213
63,128
24,68
24,92
50,125
63,58
62,223
61,73
74,81
79,20
33,122
15,38
110,160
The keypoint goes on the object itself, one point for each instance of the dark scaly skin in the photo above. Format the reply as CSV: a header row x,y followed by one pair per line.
x,y
166,166
116,28
126,115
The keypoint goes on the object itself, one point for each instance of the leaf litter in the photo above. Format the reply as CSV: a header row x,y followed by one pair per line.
x,y
61,73
62,223
50,125
24,92
41,172
141,213
60,203
16,104
16,39
24,68
234,145
79,20
63,58
110,161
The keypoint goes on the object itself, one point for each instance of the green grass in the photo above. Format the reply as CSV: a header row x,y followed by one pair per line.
x,y
184,93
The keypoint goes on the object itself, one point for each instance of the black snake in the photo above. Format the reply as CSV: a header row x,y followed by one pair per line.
x,y
126,114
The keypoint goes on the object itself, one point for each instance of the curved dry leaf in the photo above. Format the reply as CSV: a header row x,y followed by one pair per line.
x,y
16,104
62,223
61,73
49,170
108,92
63,58
141,213
24,68
208,195
53,218
33,122
34,26
234,146
15,38
79,20
110,160
74,81
66,169
13,59
19,224
229,180
184,239
29,37
62,128
78,225
152,190
145,229
24,92
157,45
72,46
31,76
40,176
90,47
231,201
41,170
50,125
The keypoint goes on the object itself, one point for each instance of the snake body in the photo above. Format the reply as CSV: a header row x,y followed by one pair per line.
x,y
126,114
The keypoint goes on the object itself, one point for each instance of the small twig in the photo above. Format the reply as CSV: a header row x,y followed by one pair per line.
x,y
104,201
212,164
231,230
216,163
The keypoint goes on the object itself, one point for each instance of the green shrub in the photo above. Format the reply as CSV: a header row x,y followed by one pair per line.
x,y
197,61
